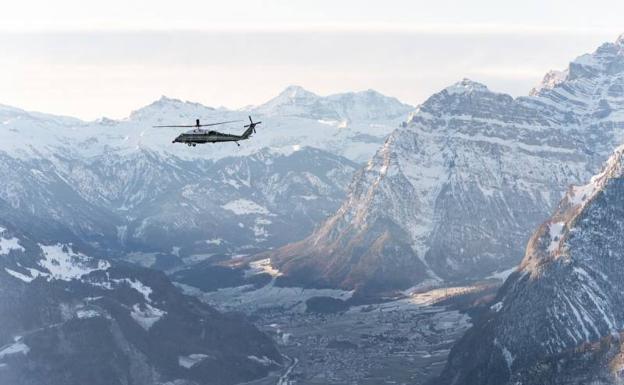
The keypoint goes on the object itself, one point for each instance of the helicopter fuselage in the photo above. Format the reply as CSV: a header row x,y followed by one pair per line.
x,y
199,136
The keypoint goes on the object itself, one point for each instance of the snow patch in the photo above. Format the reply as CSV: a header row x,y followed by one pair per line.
x,y
509,358
503,275
555,231
147,316
264,361
262,266
9,244
245,207
436,295
16,348
84,313
191,360
64,264
581,193
497,306
20,276
138,286
259,228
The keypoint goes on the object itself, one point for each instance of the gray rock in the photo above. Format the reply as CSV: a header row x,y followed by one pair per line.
x,y
456,192
557,319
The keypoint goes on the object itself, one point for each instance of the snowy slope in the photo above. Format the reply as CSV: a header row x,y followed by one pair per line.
x,y
67,318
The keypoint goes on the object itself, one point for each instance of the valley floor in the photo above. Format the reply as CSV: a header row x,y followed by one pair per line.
x,y
400,342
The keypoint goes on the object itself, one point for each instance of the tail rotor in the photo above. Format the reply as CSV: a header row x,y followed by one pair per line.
x,y
252,125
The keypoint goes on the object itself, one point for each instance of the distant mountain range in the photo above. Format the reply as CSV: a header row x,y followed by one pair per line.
x,y
349,124
123,187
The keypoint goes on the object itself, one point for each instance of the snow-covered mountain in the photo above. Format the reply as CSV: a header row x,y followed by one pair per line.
x,y
68,318
455,193
240,204
122,185
361,107
558,318
350,125
144,201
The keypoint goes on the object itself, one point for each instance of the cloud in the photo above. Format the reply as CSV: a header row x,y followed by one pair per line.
x,y
93,74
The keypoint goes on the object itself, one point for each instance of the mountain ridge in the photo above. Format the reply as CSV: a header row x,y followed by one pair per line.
x,y
468,165
69,318
561,308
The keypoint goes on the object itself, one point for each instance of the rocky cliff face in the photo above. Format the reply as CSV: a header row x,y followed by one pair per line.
x,y
455,193
558,318
72,319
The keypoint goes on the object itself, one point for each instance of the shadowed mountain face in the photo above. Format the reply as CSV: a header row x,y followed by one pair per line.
x,y
557,320
147,202
71,319
455,193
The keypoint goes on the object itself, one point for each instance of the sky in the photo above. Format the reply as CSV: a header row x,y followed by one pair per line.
x,y
107,58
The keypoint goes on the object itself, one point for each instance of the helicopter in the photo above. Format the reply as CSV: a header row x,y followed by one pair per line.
x,y
198,135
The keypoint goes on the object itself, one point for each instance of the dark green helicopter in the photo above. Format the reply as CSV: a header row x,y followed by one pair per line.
x,y
198,135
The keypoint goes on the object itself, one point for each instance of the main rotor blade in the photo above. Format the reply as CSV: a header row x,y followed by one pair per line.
x,y
176,126
216,124
201,125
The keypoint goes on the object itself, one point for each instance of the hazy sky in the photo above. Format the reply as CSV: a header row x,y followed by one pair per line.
x,y
106,58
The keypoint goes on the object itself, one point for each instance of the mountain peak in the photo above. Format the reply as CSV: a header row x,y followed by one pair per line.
x,y
606,60
552,79
347,106
166,99
296,92
165,105
466,86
